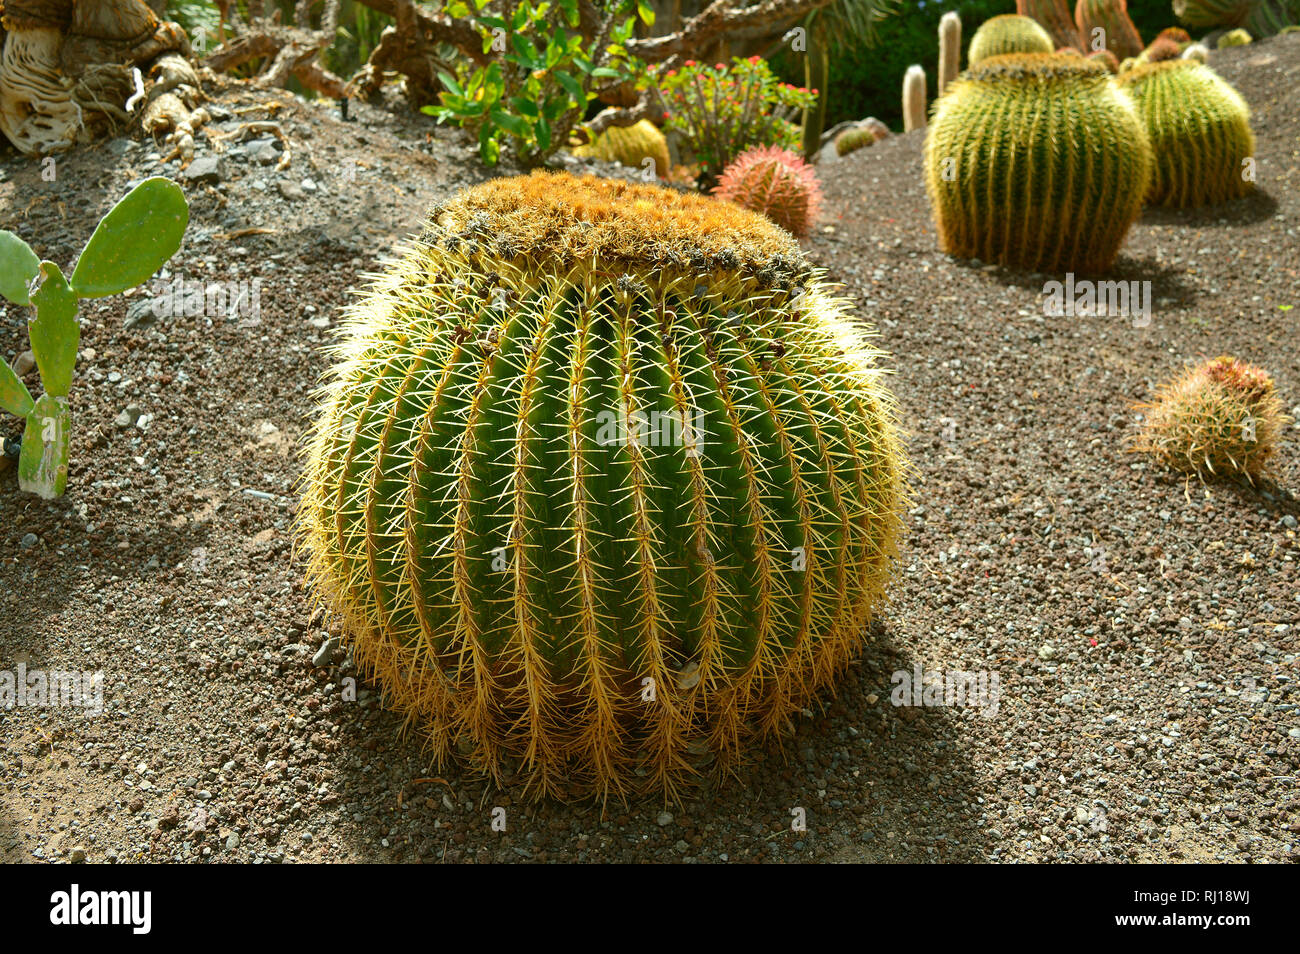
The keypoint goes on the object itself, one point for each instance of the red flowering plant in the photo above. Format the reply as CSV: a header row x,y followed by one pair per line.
x,y
720,111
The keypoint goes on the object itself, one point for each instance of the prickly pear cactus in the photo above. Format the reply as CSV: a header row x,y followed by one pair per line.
x,y
1199,127
1118,34
631,146
604,485
1008,33
775,182
1036,161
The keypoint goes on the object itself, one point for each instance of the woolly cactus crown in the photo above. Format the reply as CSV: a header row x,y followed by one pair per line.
x,y
603,486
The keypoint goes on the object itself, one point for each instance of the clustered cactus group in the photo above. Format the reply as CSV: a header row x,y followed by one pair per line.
x,y
604,485
131,242
775,182
1220,418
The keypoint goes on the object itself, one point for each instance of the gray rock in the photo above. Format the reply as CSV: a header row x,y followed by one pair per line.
x,y
233,841
263,151
24,363
141,314
77,856
129,416
205,170
290,190
28,541
326,652
664,819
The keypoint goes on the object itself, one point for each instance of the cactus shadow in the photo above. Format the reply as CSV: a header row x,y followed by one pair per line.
x,y
1256,207
1166,282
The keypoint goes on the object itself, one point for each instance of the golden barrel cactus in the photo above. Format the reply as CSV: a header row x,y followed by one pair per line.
x,y
631,146
1036,161
1199,127
1008,33
604,486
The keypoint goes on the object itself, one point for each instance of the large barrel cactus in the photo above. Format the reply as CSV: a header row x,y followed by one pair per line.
x,y
1199,127
1036,161
1008,33
605,486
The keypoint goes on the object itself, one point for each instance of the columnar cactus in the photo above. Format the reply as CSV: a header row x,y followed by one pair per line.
x,y
631,146
1036,161
1220,418
1198,52
1119,34
776,183
949,48
1199,127
1008,33
914,98
605,485
1055,17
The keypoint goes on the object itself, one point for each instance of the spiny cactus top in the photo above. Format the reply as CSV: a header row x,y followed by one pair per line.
x,y
777,183
1220,418
1008,33
1036,161
1199,127
604,484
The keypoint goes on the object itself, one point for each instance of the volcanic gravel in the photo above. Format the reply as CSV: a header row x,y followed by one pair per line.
x,y
1144,629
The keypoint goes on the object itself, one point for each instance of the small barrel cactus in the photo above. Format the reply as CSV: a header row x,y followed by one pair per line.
x,y
631,146
775,182
1008,33
1106,58
1220,418
1236,37
1118,35
1055,17
1196,51
1009,185
605,485
1199,127
1161,48
870,131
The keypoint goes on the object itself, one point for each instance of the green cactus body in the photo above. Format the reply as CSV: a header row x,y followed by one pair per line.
x,y
1208,14
1008,33
1271,17
1055,17
1199,128
1036,161
631,146
1236,37
851,140
604,485
43,460
1120,36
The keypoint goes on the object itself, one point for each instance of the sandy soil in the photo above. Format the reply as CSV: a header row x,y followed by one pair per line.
x,y
1145,631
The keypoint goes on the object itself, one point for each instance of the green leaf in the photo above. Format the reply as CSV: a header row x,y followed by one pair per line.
x,y
43,461
606,72
511,124
54,331
520,18
554,108
134,240
488,147
645,12
570,8
450,84
527,52
14,396
522,104
571,86
18,265
542,130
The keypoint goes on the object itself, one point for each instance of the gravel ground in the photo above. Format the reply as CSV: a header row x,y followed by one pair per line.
x,y
1143,630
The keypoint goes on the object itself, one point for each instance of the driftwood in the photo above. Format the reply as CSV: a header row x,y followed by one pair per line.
x,y
290,51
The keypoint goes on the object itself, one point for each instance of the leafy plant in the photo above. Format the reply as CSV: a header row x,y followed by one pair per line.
x,y
130,243
721,111
605,485
541,73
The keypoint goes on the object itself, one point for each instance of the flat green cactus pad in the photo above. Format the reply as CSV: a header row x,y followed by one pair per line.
x,y
54,331
134,240
43,463
18,264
